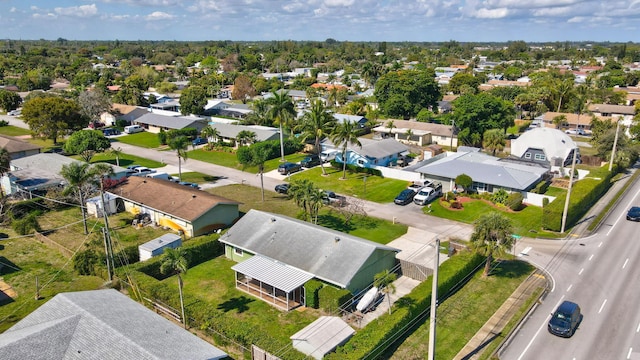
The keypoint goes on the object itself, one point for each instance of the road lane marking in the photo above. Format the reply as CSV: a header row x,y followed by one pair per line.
x,y
569,288
631,201
544,324
590,257
625,263
600,244
629,353
525,251
638,328
581,270
602,306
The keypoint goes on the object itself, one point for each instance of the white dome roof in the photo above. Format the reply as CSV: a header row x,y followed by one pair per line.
x,y
554,143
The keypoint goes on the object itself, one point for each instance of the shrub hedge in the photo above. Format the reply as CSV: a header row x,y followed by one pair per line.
x,y
370,342
311,289
514,201
271,148
331,299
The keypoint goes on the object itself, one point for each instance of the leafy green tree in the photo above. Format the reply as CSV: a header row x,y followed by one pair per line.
x,y
465,181
404,93
176,262
9,100
260,114
254,156
86,143
316,124
475,114
52,117
384,282
491,237
180,144
78,177
192,100
85,261
35,79
243,89
345,134
493,140
130,95
460,79
282,112
559,121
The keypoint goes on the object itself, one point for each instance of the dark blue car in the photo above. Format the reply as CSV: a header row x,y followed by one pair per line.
x,y
405,197
199,141
634,214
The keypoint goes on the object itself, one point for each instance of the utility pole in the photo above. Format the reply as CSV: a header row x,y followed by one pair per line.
x,y
453,130
434,303
108,249
615,144
566,201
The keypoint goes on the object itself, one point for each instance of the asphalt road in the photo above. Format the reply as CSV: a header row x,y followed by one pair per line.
x,y
599,273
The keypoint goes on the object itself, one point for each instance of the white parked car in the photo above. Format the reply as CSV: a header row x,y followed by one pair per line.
x,y
428,193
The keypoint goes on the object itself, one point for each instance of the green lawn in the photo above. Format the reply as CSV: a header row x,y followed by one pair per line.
x,y
11,130
143,139
230,160
377,189
463,314
125,160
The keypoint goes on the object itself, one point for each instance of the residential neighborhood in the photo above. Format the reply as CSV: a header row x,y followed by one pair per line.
x,y
249,207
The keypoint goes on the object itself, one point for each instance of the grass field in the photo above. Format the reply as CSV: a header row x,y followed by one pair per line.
x,y
230,160
125,160
142,139
11,130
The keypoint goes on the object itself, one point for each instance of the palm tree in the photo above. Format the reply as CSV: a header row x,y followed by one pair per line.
x,y
175,262
259,115
559,120
255,157
493,140
307,196
5,160
345,134
317,124
77,175
492,237
117,152
562,90
282,111
333,96
408,134
245,137
384,282
180,144
390,125
210,133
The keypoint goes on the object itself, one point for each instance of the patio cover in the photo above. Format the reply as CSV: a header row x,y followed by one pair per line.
x,y
274,273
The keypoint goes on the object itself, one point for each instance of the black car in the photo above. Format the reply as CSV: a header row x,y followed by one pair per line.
x,y
199,141
288,168
282,188
110,132
565,320
310,161
634,213
405,197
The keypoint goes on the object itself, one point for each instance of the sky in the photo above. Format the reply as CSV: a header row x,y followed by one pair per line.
x,y
318,20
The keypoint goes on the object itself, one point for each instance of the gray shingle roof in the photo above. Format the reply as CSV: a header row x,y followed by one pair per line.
x,y
329,255
171,122
100,324
231,131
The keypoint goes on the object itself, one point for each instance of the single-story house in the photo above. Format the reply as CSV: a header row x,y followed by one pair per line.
x,y
181,208
277,255
100,324
237,111
295,95
361,121
489,174
154,123
40,172
213,107
550,147
322,336
18,148
170,105
623,113
372,153
124,112
573,121
156,246
417,133
229,132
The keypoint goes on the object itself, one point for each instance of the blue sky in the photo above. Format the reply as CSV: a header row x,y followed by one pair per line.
x,y
343,20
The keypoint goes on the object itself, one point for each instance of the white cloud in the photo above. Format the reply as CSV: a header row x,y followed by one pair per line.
x,y
338,3
492,13
78,11
159,15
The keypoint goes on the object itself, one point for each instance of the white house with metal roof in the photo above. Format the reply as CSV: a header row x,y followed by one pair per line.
x,y
277,255
100,324
154,122
229,132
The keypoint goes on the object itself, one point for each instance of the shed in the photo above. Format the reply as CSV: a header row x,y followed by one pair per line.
x,y
322,336
156,246
94,205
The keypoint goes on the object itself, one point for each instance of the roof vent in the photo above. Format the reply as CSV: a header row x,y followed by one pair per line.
x,y
273,219
193,196
336,239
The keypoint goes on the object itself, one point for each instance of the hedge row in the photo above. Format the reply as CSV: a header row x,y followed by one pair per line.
x,y
584,194
371,341
356,169
331,299
311,289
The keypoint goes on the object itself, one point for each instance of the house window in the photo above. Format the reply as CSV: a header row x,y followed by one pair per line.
x,y
527,156
360,162
238,251
540,157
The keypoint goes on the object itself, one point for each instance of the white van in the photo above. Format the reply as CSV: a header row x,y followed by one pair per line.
x,y
132,129
159,175
328,155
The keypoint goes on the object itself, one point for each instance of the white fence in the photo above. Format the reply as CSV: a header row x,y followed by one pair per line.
x,y
398,174
535,199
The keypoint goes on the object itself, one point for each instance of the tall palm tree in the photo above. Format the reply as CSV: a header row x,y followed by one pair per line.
x,y
493,140
390,125
259,115
117,152
180,144
5,160
384,282
491,237
210,133
345,134
175,262
78,176
562,90
282,111
317,124
246,137
255,157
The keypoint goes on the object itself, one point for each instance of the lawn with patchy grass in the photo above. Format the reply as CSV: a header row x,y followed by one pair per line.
x,y
230,160
125,160
464,313
142,139
374,188
11,130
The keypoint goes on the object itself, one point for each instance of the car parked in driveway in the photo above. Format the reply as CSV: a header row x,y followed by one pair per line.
x,y
405,197
190,184
288,168
199,141
634,213
310,161
282,188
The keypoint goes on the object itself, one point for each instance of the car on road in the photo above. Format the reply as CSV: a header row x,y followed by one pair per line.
x,y
310,161
199,141
133,167
15,112
288,168
576,132
634,213
405,197
190,184
565,320
282,188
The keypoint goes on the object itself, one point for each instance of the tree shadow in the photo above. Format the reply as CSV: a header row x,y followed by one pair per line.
x,y
7,267
333,222
213,179
511,269
240,304
482,346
